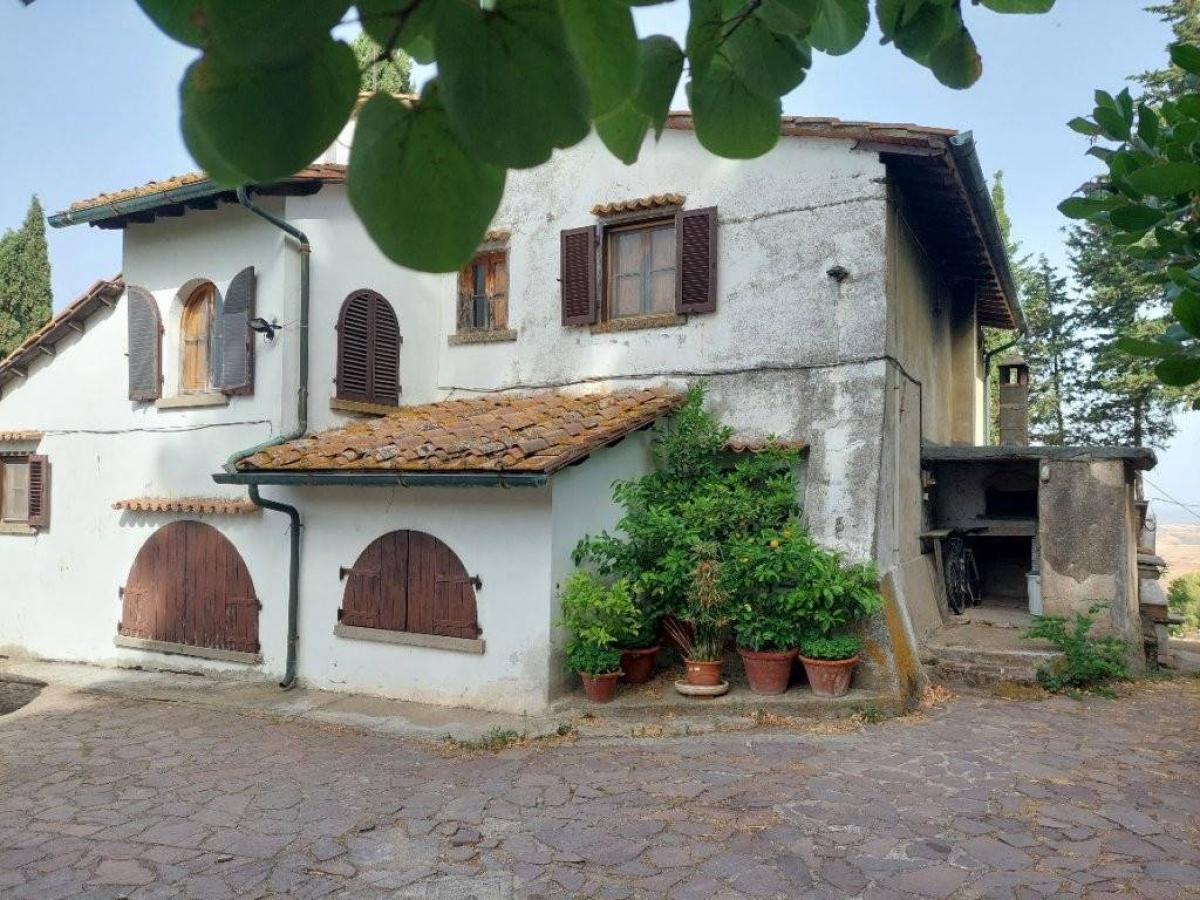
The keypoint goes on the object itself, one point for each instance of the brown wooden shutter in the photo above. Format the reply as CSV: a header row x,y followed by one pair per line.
x,y
578,275
145,345
696,260
39,491
354,348
233,341
385,353
466,280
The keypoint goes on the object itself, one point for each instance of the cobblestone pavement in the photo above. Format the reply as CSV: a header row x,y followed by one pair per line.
x,y
107,797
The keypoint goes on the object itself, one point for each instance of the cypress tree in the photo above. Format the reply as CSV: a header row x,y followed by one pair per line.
x,y
24,280
1052,349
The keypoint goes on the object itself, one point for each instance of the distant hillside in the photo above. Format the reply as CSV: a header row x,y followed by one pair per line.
x,y
1179,545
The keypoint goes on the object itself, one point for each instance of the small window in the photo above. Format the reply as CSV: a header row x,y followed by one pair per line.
x,y
641,269
25,491
368,365
14,490
195,335
483,293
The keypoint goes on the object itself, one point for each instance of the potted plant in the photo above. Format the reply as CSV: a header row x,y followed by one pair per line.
x,y
639,651
829,662
766,640
706,613
836,597
599,617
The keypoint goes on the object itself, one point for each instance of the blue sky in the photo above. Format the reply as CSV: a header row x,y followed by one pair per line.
x,y
91,105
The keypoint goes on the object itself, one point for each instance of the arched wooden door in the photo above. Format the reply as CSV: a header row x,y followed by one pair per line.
x,y
189,585
410,581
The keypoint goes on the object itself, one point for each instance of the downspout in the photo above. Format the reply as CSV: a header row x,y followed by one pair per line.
x,y
293,613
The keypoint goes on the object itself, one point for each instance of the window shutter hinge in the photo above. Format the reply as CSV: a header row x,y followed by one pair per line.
x,y
340,612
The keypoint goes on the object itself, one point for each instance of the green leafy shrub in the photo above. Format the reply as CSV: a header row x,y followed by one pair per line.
x,y
1087,663
706,611
1183,598
838,646
600,618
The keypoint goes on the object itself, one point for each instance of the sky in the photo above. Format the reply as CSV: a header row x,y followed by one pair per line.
x,y
91,104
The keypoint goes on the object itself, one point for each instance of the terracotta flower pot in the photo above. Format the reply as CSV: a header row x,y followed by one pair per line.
x,y
768,671
638,665
703,673
829,677
600,688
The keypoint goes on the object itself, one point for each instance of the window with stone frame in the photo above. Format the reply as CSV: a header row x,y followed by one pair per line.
x,y
483,293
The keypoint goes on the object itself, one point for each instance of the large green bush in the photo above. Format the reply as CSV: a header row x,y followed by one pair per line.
x,y
736,519
1183,598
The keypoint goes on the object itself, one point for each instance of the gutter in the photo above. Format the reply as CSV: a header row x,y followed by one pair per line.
x,y
362,478
197,190
293,633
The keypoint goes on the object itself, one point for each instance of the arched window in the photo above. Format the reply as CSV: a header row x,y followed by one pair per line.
x,y
368,368
410,581
195,339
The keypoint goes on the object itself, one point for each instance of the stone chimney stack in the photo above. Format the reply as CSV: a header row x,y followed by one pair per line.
x,y
1014,401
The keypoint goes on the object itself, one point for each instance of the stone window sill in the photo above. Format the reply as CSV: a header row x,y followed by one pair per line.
x,y
233,656
361,406
193,401
639,323
17,528
431,641
497,336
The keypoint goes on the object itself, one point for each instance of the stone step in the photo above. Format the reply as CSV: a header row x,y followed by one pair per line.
x,y
981,666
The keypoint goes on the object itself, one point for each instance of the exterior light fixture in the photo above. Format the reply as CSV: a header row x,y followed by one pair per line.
x,y
263,327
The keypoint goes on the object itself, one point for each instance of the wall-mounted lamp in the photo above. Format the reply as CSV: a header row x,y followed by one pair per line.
x,y
838,273
263,327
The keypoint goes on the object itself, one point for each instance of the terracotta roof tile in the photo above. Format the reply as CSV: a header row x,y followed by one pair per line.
x,y
213,506
654,201
531,433
20,437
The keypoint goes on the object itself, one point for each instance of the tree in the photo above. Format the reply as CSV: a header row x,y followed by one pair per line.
x,y
24,280
1168,83
1183,598
382,72
1053,350
516,79
1121,400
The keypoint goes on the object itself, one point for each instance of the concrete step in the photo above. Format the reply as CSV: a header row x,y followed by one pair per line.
x,y
981,666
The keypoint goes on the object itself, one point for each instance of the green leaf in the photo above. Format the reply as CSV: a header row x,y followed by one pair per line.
x,y
792,17
1179,370
770,63
1187,57
956,61
1186,309
509,80
602,34
1167,179
1147,125
214,165
662,64
731,120
1083,207
1138,347
1112,123
839,25
269,32
422,197
414,18
623,130
268,123
1135,217
179,19
1018,6
1084,126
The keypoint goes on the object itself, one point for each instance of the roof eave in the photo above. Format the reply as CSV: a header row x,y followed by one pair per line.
x,y
376,478
197,190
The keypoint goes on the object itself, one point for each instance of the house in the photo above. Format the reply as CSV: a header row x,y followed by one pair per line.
x,y
403,462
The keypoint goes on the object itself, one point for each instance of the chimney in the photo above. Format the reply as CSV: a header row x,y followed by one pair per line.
x,y
1014,401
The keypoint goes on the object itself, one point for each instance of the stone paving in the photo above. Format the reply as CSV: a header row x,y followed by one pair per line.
x,y
982,797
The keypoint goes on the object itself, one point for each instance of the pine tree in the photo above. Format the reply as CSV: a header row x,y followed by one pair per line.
x,y
1120,400
1052,349
393,75
24,280
1184,18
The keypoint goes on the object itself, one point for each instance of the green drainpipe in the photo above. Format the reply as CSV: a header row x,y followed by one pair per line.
x,y
293,633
